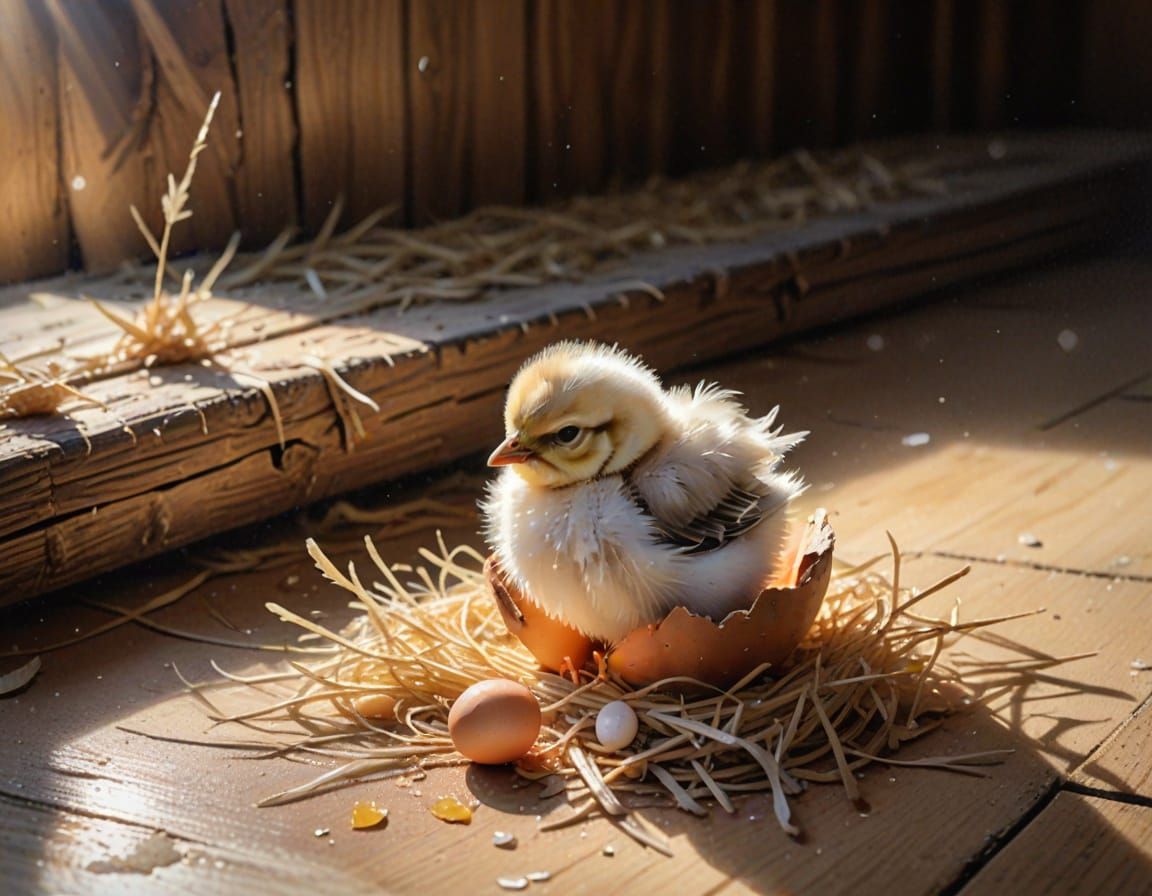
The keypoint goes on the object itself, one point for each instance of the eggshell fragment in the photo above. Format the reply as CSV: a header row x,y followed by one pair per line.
x,y
375,706
616,725
549,640
692,646
494,721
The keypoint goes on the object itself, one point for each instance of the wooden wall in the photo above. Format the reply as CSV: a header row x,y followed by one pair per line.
x,y
436,106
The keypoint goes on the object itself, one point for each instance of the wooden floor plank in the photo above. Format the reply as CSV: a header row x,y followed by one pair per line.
x,y
80,853
67,751
1124,764
1078,844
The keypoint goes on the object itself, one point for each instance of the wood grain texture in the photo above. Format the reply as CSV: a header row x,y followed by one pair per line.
x,y
81,853
1077,845
439,369
1123,766
992,70
641,72
601,102
943,74
350,96
104,113
190,54
32,203
764,31
568,80
468,98
265,177
809,68
711,124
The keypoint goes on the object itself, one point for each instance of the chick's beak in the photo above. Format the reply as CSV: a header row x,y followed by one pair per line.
x,y
509,452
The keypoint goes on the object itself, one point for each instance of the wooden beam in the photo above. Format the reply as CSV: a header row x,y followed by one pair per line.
x,y
439,370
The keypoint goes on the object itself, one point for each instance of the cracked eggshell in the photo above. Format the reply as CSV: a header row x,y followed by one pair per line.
x,y
686,645
547,639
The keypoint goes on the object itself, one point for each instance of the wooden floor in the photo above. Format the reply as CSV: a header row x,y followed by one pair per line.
x,y
1008,426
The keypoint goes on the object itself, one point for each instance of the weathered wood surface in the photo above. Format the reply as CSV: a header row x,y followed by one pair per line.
x,y
328,98
77,788
1124,764
32,202
439,370
1078,844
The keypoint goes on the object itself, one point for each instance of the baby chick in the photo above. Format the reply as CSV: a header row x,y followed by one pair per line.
x,y
619,500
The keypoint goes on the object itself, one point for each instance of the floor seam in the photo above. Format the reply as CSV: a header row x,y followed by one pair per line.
x,y
1111,576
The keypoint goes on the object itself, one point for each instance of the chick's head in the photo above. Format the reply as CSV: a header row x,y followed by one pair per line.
x,y
577,411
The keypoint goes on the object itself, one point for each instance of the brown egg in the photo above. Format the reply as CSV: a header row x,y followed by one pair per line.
x,y
494,721
687,645
549,640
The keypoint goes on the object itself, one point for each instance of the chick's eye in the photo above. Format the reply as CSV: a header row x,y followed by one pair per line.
x,y
567,435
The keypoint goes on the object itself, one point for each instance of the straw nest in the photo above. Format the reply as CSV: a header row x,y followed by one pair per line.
x,y
865,681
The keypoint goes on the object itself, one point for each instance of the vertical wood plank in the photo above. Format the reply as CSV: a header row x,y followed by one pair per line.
x,y
808,72
992,72
350,100
500,88
942,24
467,98
132,99
639,90
1116,83
190,50
104,112
763,28
265,177
706,125
871,68
36,239
569,121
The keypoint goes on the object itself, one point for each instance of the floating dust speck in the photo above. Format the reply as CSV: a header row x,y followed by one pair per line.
x,y
875,342
1029,540
916,439
538,876
366,814
1068,340
451,810
1122,561
503,840
512,883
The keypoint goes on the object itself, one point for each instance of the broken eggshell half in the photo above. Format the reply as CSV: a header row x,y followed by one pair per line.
x,y
683,644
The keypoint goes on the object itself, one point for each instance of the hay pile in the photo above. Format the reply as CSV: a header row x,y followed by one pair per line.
x,y
864,682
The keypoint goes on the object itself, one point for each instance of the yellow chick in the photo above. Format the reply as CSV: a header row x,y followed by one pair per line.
x,y
620,500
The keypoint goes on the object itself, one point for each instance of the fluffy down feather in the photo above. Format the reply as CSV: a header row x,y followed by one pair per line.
x,y
619,501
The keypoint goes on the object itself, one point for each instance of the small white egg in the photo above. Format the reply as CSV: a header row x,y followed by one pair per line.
x,y
616,725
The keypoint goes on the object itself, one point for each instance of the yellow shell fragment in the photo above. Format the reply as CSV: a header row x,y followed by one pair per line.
x,y
367,815
451,810
375,706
